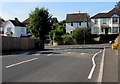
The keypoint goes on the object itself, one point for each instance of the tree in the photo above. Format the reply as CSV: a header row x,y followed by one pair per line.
x,y
82,34
39,24
117,5
58,31
54,22
62,23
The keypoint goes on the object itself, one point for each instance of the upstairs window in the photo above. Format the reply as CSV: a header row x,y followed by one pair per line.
x,y
104,20
9,29
71,23
115,20
96,21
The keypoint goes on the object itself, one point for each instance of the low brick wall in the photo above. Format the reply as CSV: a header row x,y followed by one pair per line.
x,y
15,43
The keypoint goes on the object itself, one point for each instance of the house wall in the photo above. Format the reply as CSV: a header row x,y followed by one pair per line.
x,y
100,24
95,28
70,28
8,24
17,31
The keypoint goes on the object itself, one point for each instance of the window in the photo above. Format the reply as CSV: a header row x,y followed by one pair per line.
x,y
71,23
96,21
115,20
9,29
104,20
115,29
96,30
79,23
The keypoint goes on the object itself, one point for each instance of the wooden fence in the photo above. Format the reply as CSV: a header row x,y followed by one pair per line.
x,y
15,43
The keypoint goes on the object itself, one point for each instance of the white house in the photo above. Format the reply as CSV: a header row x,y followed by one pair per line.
x,y
78,20
2,23
106,23
14,28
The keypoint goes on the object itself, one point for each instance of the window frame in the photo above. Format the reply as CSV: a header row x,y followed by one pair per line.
x,y
115,20
9,29
104,21
96,21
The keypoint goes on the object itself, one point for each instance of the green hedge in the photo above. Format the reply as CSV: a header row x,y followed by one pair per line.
x,y
105,38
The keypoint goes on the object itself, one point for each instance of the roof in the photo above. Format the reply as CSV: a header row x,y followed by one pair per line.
x,y
9,32
107,15
16,22
2,22
79,17
26,21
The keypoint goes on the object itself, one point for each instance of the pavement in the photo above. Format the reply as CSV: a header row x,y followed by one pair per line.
x,y
110,71
68,63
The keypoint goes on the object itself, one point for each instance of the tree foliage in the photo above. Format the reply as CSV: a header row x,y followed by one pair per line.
x,y
67,38
81,34
39,22
55,34
117,5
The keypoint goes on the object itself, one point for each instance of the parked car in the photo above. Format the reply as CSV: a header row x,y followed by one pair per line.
x,y
111,42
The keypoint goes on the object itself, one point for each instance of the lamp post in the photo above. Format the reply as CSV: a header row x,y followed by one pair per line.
x,y
84,36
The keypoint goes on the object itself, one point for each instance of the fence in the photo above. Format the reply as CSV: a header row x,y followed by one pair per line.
x,y
15,43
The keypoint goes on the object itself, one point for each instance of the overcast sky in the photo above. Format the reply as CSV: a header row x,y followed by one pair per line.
x,y
21,10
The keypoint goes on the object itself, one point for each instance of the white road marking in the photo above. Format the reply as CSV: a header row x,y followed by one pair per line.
x,y
49,54
80,47
38,53
69,52
20,63
101,67
24,53
94,65
82,53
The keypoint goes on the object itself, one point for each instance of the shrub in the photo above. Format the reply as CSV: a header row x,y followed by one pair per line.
x,y
105,38
57,39
81,34
67,39
55,35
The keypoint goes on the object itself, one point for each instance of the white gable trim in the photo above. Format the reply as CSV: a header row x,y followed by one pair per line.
x,y
115,15
10,23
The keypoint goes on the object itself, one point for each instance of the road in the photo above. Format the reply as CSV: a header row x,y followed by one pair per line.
x,y
71,63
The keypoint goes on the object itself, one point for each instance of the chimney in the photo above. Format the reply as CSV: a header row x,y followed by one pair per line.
x,y
17,21
79,11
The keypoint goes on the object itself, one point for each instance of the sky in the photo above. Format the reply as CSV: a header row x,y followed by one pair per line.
x,y
21,10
